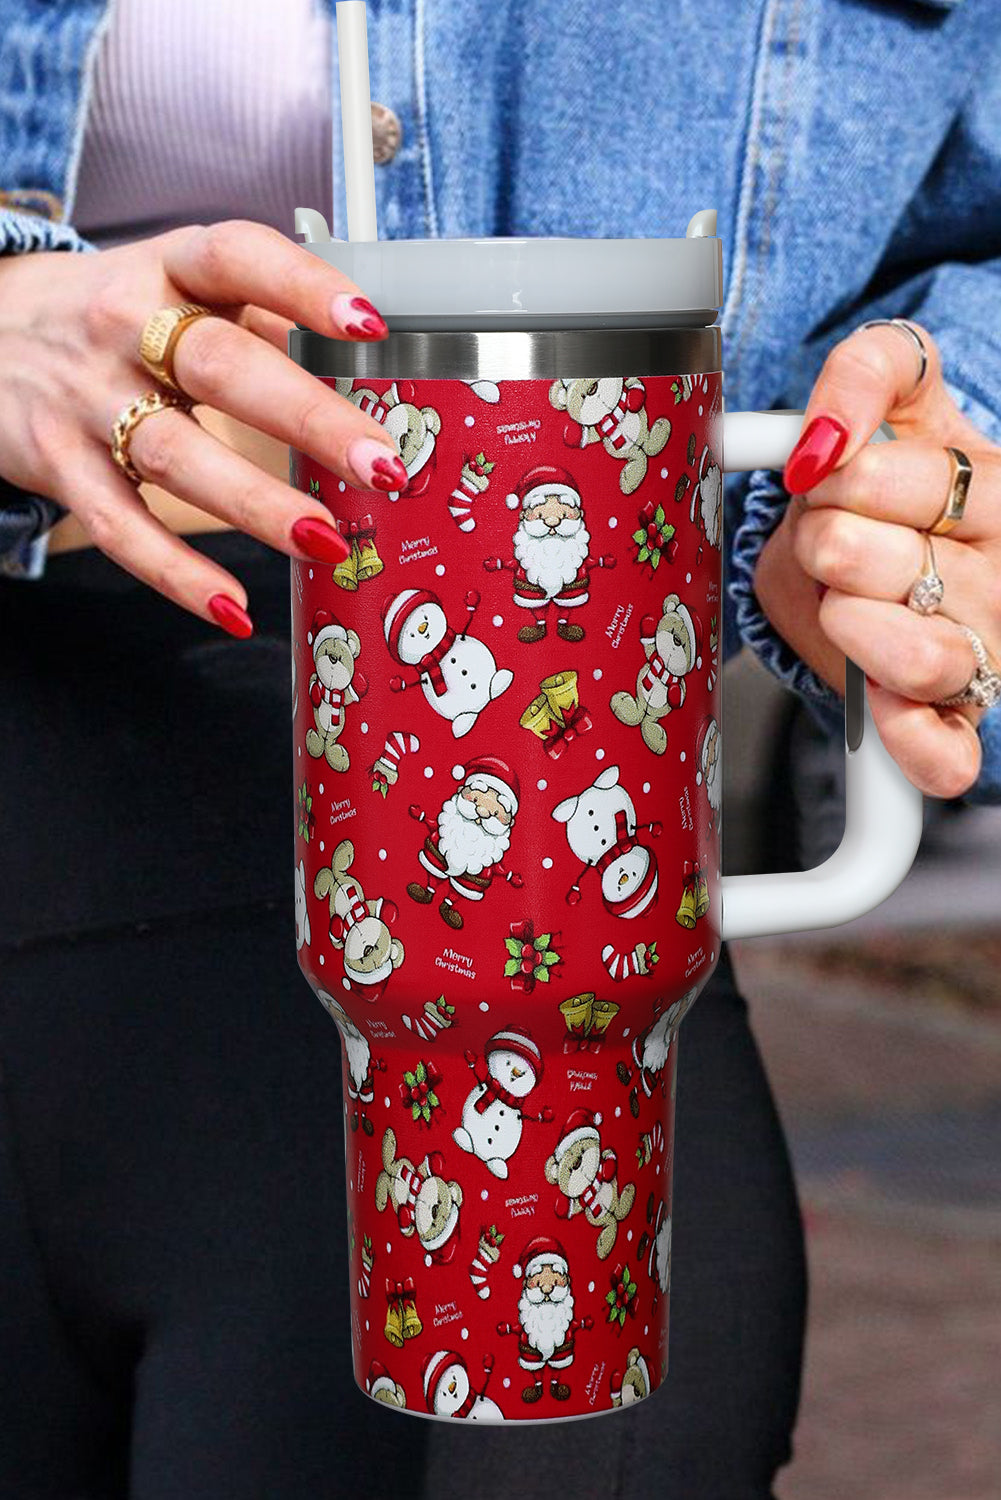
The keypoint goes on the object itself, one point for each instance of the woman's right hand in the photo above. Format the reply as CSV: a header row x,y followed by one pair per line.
x,y
69,333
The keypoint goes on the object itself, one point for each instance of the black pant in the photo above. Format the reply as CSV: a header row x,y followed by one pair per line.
x,y
173,1250
173,1237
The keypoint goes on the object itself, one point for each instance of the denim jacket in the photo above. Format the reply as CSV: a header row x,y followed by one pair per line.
x,y
852,149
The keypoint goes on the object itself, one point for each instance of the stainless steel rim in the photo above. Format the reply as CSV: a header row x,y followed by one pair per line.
x,y
512,354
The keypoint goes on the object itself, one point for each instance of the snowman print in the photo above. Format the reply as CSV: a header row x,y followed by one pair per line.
x,y
603,833
494,1110
457,672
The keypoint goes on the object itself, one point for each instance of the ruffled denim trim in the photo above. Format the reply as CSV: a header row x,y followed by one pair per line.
x,y
764,505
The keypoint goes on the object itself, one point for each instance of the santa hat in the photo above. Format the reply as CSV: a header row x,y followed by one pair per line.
x,y
544,479
379,1379
497,777
520,1043
544,1250
693,625
325,627
434,1369
579,1127
398,608
708,723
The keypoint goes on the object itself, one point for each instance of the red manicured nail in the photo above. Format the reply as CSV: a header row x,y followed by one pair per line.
x,y
375,466
319,540
231,616
357,317
815,455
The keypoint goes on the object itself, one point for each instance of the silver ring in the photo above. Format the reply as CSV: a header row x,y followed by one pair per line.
x,y
910,332
984,688
927,592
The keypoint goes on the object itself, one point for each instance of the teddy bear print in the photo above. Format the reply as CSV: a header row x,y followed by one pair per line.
x,y
612,411
358,927
333,686
425,1203
414,428
672,647
635,1383
586,1178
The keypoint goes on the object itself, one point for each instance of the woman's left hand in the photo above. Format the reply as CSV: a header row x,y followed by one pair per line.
x,y
835,575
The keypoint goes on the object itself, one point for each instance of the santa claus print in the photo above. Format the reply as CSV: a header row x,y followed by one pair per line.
x,y
495,1108
651,1050
456,672
603,833
552,562
546,1326
707,502
472,834
448,1391
658,1243
359,1060
381,1386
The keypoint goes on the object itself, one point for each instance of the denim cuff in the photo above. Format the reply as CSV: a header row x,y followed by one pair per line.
x,y
764,505
26,519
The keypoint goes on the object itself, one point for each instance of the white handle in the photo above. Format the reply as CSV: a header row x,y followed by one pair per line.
x,y
883,811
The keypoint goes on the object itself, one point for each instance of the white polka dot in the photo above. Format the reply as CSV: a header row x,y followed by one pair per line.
x,y
464,1333
590,1286
310,572
597,1117
367,1325
470,421
321,846
682,756
484,1194
547,863
458,773
596,674
698,778
363,726
542,785
646,1329
629,1234
352,1184
700,411
484,1005
646,786
386,1101
388,1247
698,662
599,755
300,749
382,854
341,486
613,521
688,577
321,958
440,570
712,954
321,788
429,772
498,620
658,1169
516,1268
663,473
506,1382
618,1110
625,1031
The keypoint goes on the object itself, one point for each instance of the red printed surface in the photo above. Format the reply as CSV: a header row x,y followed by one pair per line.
x,y
507,781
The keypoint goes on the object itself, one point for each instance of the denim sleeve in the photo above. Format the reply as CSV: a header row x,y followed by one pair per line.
x,y
26,519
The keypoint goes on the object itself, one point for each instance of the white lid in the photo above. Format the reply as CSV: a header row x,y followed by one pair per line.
x,y
494,283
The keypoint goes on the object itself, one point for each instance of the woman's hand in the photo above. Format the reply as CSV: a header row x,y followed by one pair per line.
x,y
835,575
69,331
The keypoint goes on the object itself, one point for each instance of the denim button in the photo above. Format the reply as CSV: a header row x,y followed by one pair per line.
x,y
387,133
37,201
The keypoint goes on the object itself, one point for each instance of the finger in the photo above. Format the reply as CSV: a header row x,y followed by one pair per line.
x,y
867,378
938,750
173,451
921,657
266,325
238,261
223,366
120,526
878,560
908,481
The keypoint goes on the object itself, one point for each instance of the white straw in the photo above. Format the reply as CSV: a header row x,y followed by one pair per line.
x,y
356,119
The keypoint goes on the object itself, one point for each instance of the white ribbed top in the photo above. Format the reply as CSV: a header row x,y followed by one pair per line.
x,y
202,111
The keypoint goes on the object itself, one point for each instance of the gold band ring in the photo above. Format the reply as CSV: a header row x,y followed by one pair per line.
x,y
959,485
128,420
159,337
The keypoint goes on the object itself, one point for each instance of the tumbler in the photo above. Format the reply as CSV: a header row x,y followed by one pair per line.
x,y
507,754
